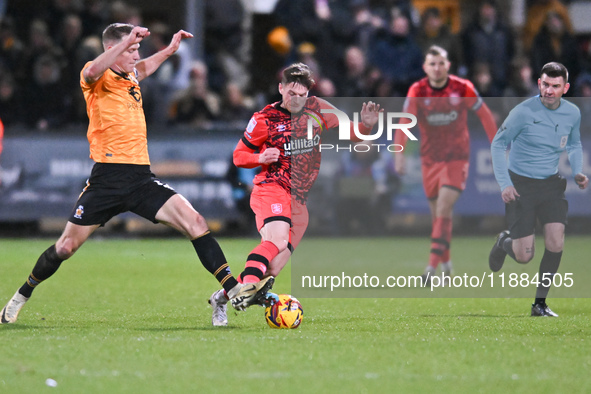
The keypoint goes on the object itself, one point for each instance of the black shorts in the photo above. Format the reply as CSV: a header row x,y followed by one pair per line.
x,y
541,199
116,188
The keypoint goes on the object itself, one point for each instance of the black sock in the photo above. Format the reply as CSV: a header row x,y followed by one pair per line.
x,y
540,301
47,264
548,265
508,247
213,259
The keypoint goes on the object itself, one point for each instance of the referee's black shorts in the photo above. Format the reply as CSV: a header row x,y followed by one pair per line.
x,y
541,199
116,188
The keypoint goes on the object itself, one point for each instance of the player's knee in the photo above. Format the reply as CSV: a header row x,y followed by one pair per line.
x,y
65,248
445,210
524,257
280,243
555,247
197,225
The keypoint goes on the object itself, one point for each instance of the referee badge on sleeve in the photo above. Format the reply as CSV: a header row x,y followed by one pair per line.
x,y
563,141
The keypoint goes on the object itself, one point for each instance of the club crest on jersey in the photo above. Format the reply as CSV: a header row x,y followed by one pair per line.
x,y
133,93
79,212
276,208
454,99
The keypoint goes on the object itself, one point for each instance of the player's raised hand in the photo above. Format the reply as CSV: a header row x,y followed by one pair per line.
x,y
581,180
370,113
176,40
269,156
137,35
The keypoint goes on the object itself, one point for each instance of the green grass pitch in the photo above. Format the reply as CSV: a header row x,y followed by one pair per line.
x,y
130,316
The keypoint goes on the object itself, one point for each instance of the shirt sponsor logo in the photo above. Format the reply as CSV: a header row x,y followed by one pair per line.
x,y
301,145
442,119
454,99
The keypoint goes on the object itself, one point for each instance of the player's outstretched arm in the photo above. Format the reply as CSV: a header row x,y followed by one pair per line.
x,y
106,59
148,66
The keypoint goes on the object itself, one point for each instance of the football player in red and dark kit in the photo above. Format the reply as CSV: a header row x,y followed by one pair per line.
x,y
277,139
441,101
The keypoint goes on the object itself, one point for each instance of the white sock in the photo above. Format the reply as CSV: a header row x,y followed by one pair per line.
x,y
220,296
429,270
446,267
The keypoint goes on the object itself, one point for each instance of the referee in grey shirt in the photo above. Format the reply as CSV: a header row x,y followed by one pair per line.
x,y
539,130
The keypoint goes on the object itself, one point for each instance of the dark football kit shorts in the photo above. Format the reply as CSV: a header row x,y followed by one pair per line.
x,y
541,199
116,188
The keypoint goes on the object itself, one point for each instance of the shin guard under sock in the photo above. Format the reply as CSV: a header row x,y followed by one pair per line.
x,y
440,240
258,262
548,267
47,264
213,259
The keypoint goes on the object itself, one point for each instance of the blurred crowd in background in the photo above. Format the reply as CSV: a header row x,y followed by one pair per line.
x,y
356,48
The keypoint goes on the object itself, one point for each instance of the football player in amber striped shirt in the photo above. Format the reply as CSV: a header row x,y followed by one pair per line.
x,y
121,179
